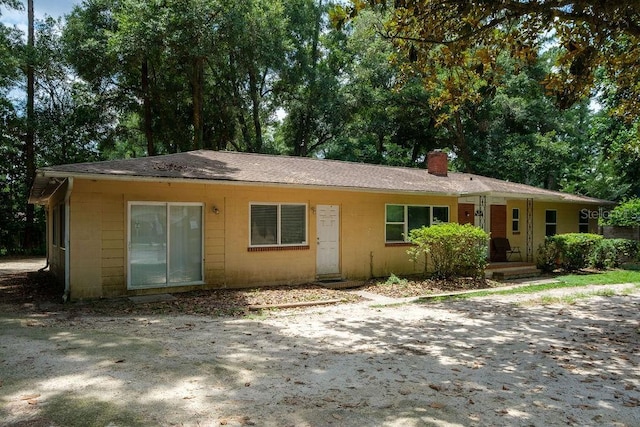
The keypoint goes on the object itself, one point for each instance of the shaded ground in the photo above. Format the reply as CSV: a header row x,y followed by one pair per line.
x,y
418,286
23,287
484,361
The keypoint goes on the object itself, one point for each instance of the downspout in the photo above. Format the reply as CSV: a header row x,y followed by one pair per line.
x,y
67,247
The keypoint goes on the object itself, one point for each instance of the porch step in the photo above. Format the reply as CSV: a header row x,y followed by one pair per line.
x,y
515,273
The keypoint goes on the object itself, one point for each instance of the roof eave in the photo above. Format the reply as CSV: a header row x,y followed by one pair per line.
x,y
559,197
44,187
49,174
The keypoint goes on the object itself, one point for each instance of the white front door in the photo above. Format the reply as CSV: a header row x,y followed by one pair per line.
x,y
328,230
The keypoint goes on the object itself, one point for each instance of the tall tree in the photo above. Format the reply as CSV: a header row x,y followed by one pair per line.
x,y
466,38
29,143
12,171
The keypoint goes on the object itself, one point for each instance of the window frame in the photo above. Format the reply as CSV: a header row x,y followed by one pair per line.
x,y
515,220
62,226
583,221
279,243
547,224
167,283
55,224
405,223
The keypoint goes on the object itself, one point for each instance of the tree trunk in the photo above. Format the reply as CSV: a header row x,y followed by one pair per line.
x,y
148,116
198,89
29,146
461,143
302,145
255,109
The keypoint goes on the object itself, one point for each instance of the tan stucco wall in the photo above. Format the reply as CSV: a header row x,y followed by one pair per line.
x,y
98,239
99,234
567,219
567,222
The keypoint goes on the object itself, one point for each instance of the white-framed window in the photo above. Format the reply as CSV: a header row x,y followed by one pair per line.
x,y
515,220
277,224
550,222
63,226
583,221
400,219
58,226
165,242
55,231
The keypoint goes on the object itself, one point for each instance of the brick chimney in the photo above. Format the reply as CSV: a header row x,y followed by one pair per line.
x,y
437,163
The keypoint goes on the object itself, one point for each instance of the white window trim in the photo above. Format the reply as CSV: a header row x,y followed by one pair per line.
x,y
279,224
515,221
406,219
167,284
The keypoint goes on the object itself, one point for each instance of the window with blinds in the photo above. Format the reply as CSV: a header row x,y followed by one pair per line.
x,y
278,224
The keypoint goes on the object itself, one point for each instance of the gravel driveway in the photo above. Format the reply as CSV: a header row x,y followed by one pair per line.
x,y
484,361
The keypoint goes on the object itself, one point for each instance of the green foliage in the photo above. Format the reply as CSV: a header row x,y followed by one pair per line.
x,y
575,249
395,280
626,214
548,258
570,251
611,253
455,250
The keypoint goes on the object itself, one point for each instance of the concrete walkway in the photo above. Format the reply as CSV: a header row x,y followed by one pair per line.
x,y
13,265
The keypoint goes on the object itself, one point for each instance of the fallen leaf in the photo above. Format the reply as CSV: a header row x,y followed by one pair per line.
x,y
29,396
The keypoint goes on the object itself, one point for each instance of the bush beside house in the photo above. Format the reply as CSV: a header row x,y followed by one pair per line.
x,y
574,251
455,250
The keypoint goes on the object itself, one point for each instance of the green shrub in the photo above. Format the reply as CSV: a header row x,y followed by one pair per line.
x,y
548,255
455,250
610,253
626,214
575,249
395,280
571,251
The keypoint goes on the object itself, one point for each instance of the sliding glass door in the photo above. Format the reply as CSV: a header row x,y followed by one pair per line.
x,y
165,244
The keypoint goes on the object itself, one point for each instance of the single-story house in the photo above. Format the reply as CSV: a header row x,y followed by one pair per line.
x,y
213,219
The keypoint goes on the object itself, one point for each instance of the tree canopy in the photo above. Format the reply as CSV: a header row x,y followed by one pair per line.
x,y
455,46
547,89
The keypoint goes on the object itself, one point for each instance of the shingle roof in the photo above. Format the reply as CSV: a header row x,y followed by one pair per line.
x,y
226,166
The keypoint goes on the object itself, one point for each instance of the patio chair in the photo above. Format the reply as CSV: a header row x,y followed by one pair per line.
x,y
502,246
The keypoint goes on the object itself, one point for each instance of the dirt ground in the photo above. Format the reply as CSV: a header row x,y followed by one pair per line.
x,y
496,361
